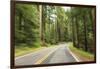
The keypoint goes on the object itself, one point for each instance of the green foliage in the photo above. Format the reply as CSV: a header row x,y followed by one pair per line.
x,y
83,28
81,53
40,25
26,24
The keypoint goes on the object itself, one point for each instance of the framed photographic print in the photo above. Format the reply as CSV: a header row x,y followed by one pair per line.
x,y
50,34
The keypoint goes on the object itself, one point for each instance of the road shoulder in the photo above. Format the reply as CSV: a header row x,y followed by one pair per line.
x,y
81,55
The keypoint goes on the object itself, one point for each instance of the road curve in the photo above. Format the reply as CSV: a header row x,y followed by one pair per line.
x,y
57,54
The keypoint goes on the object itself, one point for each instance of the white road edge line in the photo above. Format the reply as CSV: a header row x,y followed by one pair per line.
x,y
76,58
26,54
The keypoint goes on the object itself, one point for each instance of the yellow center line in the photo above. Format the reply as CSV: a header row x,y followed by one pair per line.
x,y
45,57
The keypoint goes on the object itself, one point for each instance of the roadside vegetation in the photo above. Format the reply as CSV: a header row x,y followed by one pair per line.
x,y
82,55
23,49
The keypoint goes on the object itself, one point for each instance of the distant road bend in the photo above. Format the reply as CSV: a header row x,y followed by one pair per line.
x,y
57,54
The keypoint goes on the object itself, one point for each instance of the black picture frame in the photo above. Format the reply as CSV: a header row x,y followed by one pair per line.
x,y
13,3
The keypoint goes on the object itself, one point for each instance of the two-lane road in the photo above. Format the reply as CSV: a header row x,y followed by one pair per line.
x,y
57,54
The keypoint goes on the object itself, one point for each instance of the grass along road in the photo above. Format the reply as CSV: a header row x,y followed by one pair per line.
x,y
23,50
81,55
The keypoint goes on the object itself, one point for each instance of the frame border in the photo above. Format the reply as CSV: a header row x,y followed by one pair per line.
x,y
12,33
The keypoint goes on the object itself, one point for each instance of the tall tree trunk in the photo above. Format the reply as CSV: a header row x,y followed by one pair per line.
x,y
73,32
42,26
85,33
20,21
93,26
49,27
58,30
77,32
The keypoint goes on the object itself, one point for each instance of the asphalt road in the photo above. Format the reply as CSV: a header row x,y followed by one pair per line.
x,y
58,54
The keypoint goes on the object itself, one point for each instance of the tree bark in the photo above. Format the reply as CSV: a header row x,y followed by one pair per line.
x,y
77,33
73,32
93,11
85,33
42,26
20,21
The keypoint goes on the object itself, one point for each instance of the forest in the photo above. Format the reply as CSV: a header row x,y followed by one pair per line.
x,y
47,25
